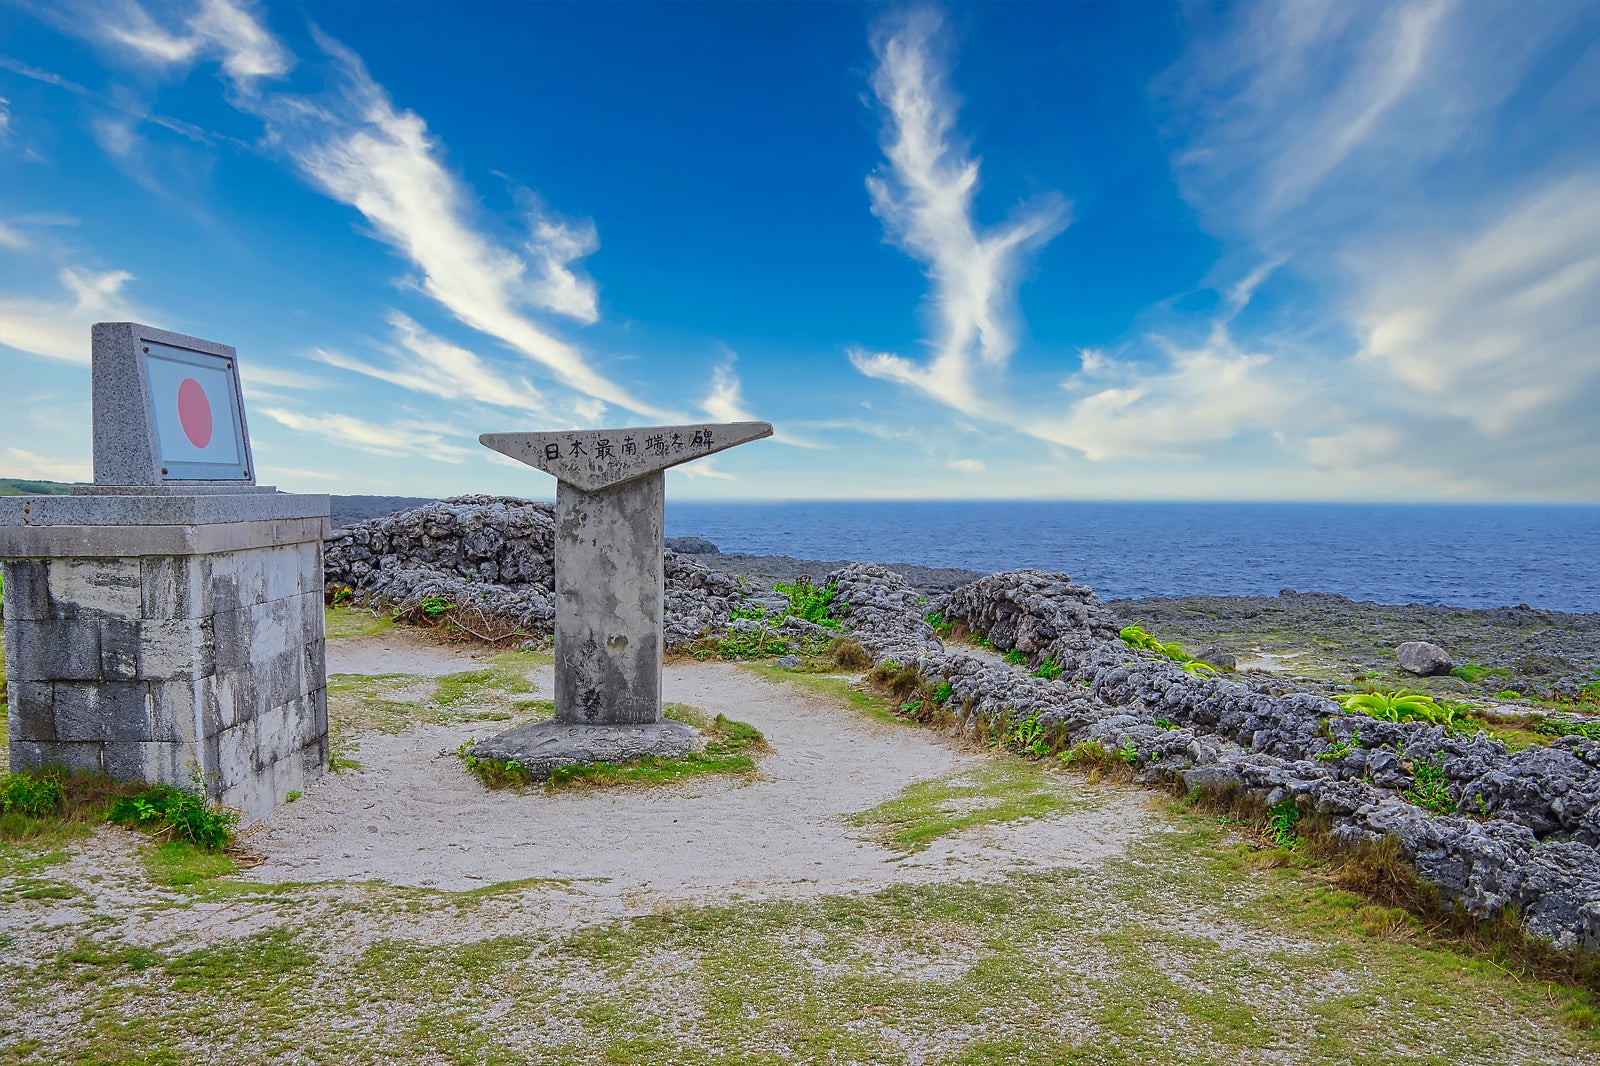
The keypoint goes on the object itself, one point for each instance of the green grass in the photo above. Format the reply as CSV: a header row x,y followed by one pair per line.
x,y
731,748
1183,949
344,623
852,693
179,864
15,486
392,703
1000,790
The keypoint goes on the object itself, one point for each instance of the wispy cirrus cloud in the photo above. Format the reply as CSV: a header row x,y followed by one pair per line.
x,y
426,363
354,144
725,403
402,438
19,462
924,197
1114,408
1369,148
59,328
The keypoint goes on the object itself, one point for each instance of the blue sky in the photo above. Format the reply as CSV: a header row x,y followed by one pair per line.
x,y
1260,251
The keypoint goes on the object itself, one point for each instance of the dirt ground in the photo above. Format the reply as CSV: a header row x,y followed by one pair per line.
x,y
410,816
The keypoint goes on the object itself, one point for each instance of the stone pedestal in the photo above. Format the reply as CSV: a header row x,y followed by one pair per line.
x,y
155,635
610,590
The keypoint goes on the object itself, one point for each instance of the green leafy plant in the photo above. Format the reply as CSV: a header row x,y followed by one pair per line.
x,y
942,692
1129,752
1136,637
754,613
911,707
980,640
34,794
177,813
1015,657
939,624
1166,723
1343,748
1433,786
495,773
338,595
1050,669
1400,706
1508,694
1560,726
808,602
1282,818
1028,735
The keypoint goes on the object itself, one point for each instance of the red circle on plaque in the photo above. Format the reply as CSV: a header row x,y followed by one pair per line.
x,y
194,411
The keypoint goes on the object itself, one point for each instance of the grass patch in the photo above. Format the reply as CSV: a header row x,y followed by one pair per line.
x,y
83,802
999,790
730,748
345,622
179,864
845,690
392,703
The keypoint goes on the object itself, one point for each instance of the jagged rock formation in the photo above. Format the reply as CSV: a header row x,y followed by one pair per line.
x,y
1530,838
494,555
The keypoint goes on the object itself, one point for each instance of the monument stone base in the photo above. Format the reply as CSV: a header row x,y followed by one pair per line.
x,y
543,746
159,636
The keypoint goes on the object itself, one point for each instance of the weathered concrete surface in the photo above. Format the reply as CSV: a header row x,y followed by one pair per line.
x,y
161,666
543,746
610,591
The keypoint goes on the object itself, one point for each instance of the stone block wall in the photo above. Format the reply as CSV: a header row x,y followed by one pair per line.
x,y
162,666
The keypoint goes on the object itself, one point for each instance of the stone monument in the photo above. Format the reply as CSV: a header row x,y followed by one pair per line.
x,y
610,590
166,621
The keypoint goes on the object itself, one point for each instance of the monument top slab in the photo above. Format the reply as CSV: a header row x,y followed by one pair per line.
x,y
594,459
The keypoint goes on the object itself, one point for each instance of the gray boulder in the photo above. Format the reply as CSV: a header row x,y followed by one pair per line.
x,y
1423,659
692,546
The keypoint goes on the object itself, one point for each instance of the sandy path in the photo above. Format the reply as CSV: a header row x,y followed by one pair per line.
x,y
412,816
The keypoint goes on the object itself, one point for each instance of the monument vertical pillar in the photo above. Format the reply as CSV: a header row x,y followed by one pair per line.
x,y
610,590
610,593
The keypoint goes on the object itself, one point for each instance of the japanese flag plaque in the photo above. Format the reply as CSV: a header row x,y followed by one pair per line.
x,y
610,504
168,408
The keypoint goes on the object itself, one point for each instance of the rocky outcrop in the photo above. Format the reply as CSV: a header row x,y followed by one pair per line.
x,y
1525,832
495,556
1423,659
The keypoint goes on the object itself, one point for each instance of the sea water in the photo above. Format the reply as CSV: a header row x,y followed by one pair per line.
x,y
1466,555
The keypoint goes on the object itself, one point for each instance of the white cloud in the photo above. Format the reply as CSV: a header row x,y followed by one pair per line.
x,y
25,464
1205,395
967,466
426,363
361,150
216,28
702,468
404,438
49,78
59,329
725,403
924,199
1496,326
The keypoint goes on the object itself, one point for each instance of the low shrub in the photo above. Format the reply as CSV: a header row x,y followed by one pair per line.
x,y
176,813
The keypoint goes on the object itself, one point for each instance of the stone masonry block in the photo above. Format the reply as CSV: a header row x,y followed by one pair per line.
x,y
230,639
175,586
281,571
33,755
32,711
119,648
280,679
152,761
27,591
176,648
57,649
238,698
270,632
223,582
95,588
238,755
179,709
107,712
251,576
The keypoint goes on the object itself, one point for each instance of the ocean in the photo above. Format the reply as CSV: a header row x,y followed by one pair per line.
x,y
1465,555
